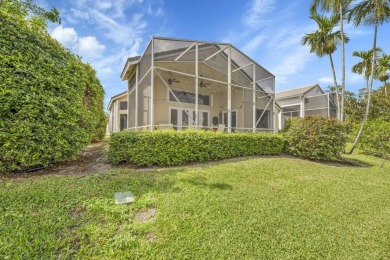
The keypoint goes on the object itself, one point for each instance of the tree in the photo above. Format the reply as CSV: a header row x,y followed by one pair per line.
x,y
53,15
369,12
324,42
364,67
339,7
51,102
382,70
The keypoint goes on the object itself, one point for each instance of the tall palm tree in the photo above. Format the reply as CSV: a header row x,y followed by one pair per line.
x,y
324,42
339,7
364,67
369,12
383,69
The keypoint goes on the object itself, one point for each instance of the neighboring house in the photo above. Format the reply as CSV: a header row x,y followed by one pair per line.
x,y
193,84
305,101
117,108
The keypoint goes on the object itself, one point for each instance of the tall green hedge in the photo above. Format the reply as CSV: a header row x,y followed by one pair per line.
x,y
169,147
51,103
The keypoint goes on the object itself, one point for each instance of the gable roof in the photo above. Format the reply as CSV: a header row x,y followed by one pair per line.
x,y
113,98
131,62
295,92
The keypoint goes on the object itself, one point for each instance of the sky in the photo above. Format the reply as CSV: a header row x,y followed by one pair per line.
x,y
105,33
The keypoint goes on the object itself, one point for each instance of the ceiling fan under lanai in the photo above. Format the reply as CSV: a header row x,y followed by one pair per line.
x,y
203,84
171,79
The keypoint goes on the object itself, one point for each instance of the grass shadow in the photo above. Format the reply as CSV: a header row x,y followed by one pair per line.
x,y
202,182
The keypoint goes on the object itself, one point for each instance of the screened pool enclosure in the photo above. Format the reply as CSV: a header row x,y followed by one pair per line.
x,y
201,85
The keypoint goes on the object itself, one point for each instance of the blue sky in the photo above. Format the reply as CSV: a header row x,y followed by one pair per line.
x,y
105,33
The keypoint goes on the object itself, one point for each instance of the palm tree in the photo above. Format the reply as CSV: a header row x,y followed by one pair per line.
x,y
324,42
369,12
364,67
339,7
382,70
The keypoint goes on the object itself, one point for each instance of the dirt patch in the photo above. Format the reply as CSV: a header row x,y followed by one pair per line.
x,y
93,159
146,216
151,237
77,212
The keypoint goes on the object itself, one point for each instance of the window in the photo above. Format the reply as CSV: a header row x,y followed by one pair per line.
x,y
123,122
264,121
123,105
187,97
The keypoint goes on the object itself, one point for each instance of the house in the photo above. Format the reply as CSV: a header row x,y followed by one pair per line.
x,y
305,101
117,108
195,84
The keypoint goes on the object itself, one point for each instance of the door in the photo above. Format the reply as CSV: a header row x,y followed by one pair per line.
x,y
183,118
234,119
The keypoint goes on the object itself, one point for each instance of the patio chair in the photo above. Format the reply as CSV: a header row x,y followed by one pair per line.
x,y
221,128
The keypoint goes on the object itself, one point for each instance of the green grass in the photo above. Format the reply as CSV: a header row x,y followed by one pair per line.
x,y
256,208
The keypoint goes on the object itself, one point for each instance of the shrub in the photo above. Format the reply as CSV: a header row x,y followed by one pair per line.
x,y
170,147
375,139
51,102
316,138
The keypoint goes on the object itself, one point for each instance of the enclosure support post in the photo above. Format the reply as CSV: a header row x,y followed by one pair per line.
x,y
128,104
328,105
136,97
196,87
229,90
254,99
151,112
274,108
303,107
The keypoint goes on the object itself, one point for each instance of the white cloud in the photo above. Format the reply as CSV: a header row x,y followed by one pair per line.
x,y
355,78
254,43
254,16
123,27
90,47
292,63
326,80
67,36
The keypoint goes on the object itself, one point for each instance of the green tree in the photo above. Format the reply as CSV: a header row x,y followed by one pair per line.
x,y
323,42
369,12
383,69
339,7
28,5
364,67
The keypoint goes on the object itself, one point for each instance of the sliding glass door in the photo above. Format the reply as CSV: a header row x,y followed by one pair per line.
x,y
183,118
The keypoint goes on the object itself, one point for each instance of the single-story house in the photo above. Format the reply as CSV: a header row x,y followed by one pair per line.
x,y
195,84
305,101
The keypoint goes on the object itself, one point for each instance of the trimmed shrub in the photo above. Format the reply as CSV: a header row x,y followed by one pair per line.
x,y
170,147
315,138
51,102
375,139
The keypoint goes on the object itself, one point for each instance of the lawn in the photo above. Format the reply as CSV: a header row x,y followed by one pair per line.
x,y
255,208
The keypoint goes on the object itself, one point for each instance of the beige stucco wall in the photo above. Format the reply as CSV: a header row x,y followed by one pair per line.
x,y
114,113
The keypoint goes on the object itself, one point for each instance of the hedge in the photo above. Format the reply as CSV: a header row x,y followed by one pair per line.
x,y
315,138
51,102
170,147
